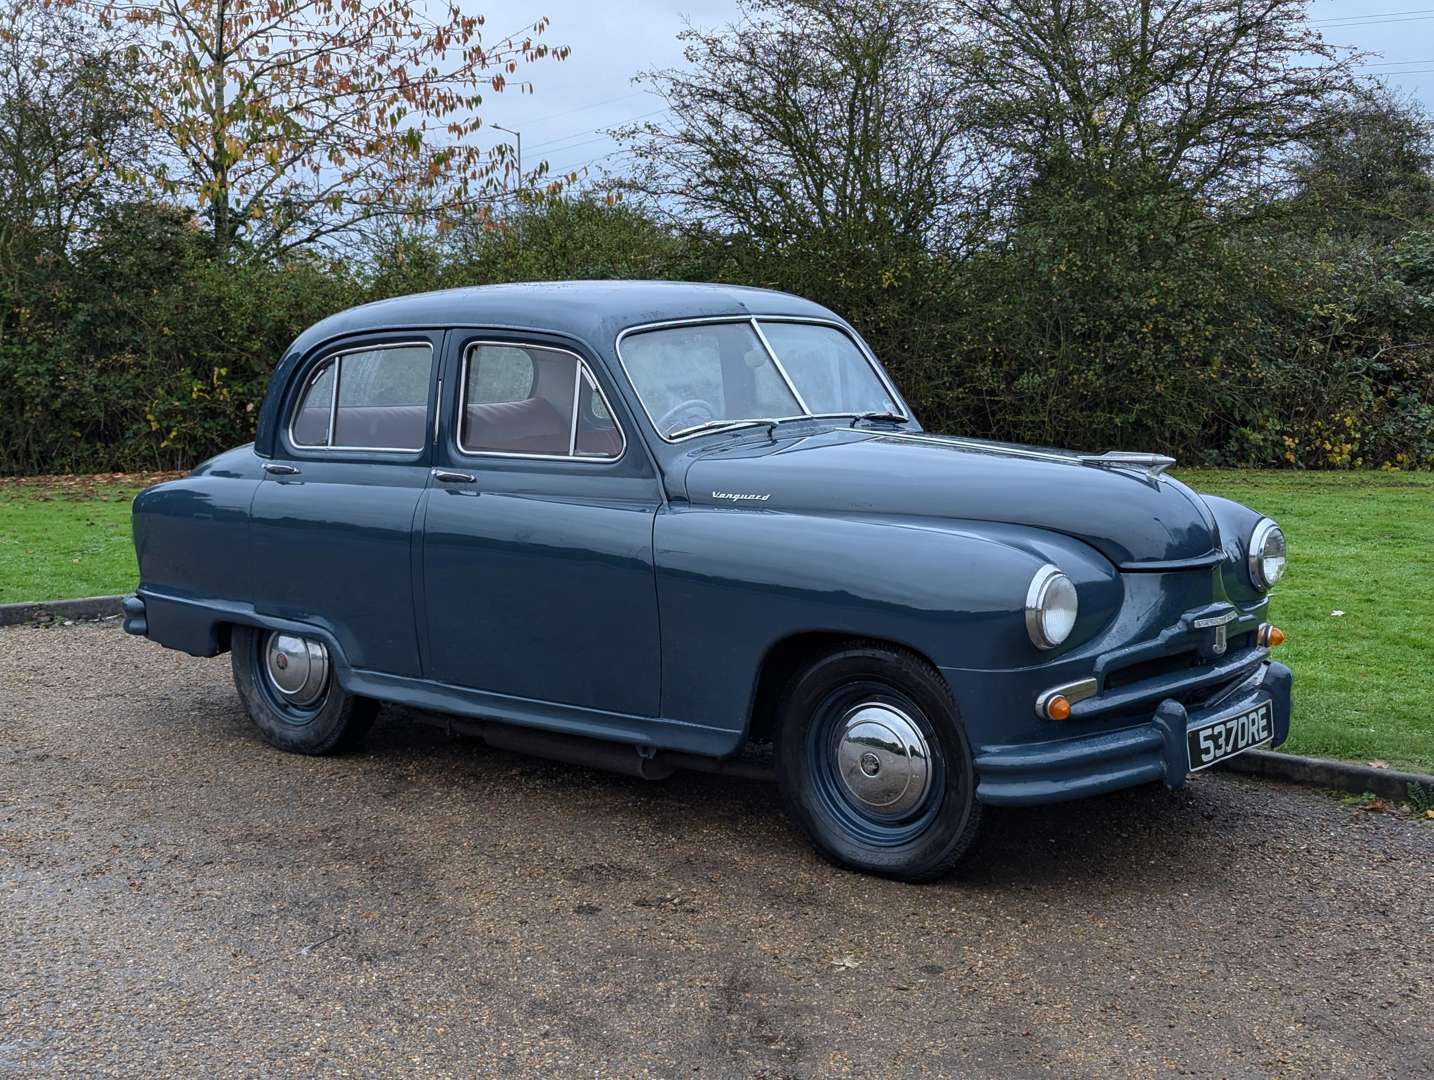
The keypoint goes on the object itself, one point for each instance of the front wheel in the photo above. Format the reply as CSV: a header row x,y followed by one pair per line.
x,y
874,765
287,684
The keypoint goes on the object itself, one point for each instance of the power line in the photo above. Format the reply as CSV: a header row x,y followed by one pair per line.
x,y
1370,15
590,105
1373,22
595,131
580,166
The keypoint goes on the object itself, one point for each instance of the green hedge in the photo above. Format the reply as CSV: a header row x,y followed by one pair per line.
x,y
1086,328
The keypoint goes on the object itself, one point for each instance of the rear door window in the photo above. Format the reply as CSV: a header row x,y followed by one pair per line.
x,y
367,399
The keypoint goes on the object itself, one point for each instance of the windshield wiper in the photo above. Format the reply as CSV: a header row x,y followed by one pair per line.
x,y
890,416
713,425
773,422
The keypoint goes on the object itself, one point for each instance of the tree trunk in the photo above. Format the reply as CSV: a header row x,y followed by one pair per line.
x,y
223,231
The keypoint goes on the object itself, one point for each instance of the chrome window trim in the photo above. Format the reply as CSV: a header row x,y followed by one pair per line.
x,y
668,324
315,374
582,371
437,410
573,420
334,358
781,368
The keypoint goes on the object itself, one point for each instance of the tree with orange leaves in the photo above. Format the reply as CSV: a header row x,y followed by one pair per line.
x,y
290,122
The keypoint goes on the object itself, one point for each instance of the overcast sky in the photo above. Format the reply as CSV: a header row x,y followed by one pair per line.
x,y
612,40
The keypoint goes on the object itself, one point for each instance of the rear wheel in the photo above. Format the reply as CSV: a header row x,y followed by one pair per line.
x,y
874,764
287,684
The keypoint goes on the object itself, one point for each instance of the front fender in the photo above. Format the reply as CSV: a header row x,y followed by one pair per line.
x,y
1237,522
732,583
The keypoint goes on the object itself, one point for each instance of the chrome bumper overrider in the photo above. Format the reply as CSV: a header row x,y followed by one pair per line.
x,y
1155,749
134,616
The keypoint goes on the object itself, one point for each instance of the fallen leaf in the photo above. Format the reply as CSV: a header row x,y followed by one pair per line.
x,y
1376,806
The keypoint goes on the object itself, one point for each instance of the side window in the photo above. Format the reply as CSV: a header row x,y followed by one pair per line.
x,y
368,399
533,400
596,433
311,418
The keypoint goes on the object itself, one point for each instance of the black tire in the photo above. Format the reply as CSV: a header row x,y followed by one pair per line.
x,y
334,722
816,709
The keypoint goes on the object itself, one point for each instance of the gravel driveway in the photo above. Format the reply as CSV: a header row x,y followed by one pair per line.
x,y
179,899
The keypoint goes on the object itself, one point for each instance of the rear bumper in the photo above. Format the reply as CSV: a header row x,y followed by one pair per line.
x,y
1091,764
135,621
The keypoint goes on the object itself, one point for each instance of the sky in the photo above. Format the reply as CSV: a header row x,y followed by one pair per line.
x,y
576,100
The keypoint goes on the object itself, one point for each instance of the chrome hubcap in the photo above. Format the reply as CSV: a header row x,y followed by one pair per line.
x,y
883,760
298,667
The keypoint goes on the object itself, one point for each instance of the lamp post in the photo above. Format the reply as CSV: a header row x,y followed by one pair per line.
x,y
519,136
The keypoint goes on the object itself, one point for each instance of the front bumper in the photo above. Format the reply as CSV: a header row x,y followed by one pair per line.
x,y
1091,764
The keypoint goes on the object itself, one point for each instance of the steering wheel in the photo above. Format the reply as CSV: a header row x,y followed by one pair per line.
x,y
682,408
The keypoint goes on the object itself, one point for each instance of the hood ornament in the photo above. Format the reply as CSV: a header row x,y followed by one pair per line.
x,y
1153,464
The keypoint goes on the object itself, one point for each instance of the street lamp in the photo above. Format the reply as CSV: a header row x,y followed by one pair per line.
x,y
519,136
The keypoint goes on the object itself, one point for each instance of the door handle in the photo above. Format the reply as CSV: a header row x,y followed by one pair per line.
x,y
275,469
443,476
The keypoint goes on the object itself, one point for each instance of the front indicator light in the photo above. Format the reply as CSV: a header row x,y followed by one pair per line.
x,y
1270,637
1055,703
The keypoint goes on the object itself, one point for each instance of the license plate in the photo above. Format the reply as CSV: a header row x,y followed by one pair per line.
x,y
1230,735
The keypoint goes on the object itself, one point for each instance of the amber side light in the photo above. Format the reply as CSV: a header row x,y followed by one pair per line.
x,y
1058,708
1271,636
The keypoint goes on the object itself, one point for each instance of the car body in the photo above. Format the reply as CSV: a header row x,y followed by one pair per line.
x,y
645,579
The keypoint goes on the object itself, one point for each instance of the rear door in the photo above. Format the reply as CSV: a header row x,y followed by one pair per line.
x,y
537,539
334,518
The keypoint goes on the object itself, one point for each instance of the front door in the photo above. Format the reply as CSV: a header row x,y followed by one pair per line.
x,y
537,536
332,523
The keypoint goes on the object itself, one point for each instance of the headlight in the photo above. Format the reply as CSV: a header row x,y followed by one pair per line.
x,y
1050,607
1267,555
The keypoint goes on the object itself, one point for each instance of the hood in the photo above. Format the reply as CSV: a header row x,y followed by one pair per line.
x,y
1128,516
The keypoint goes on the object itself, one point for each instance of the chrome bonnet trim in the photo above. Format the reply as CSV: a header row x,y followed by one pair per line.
x,y
1153,464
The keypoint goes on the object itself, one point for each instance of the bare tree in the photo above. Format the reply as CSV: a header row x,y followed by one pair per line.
x,y
1208,96
68,111
1368,165
839,116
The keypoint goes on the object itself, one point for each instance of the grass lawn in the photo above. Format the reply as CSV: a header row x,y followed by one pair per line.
x,y
66,537
1360,543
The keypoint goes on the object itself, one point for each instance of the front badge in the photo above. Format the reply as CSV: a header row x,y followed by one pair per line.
x,y
1218,623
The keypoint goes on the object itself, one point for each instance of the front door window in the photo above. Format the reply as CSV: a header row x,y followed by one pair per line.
x,y
534,401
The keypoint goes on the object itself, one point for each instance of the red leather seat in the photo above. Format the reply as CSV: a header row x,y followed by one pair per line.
x,y
531,426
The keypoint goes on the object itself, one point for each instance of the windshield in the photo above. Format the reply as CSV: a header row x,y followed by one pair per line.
x,y
704,372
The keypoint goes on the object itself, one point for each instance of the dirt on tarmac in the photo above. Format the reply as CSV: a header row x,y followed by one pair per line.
x,y
180,900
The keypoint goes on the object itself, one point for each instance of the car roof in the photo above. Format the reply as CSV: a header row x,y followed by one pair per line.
x,y
594,311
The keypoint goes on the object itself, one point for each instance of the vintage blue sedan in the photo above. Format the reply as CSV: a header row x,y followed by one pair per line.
x,y
646,525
